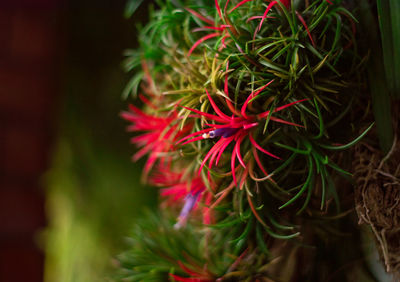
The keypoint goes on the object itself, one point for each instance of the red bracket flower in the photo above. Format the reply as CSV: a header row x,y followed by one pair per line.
x,y
176,186
161,132
233,129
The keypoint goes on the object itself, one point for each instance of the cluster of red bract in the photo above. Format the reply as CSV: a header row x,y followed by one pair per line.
x,y
163,136
243,106
200,151
160,135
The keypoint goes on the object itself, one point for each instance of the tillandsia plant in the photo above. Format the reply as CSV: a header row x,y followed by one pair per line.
x,y
247,108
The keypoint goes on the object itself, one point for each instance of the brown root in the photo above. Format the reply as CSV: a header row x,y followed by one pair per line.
x,y
377,197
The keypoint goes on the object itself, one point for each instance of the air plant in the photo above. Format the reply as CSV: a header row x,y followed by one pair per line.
x,y
234,129
251,100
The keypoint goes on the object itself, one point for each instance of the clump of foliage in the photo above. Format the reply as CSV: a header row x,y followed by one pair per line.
x,y
247,106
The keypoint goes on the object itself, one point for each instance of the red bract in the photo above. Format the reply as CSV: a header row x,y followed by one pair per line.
x,y
188,279
176,186
197,274
287,4
160,134
220,30
233,129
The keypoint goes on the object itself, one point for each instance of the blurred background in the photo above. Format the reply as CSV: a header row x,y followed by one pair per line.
x,y
69,192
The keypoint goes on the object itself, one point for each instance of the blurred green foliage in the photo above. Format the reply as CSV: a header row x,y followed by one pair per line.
x,y
389,23
94,191
379,83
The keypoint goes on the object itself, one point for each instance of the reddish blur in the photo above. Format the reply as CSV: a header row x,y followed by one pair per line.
x,y
29,75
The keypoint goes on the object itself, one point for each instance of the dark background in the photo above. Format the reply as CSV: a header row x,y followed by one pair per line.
x,y
64,152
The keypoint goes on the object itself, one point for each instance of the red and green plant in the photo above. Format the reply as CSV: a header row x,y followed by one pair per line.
x,y
248,107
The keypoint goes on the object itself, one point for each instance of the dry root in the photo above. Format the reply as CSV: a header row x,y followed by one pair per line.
x,y
377,197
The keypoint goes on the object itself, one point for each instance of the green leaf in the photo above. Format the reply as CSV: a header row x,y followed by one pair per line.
x,y
131,7
348,145
395,60
305,185
260,240
132,86
246,231
376,71
385,25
